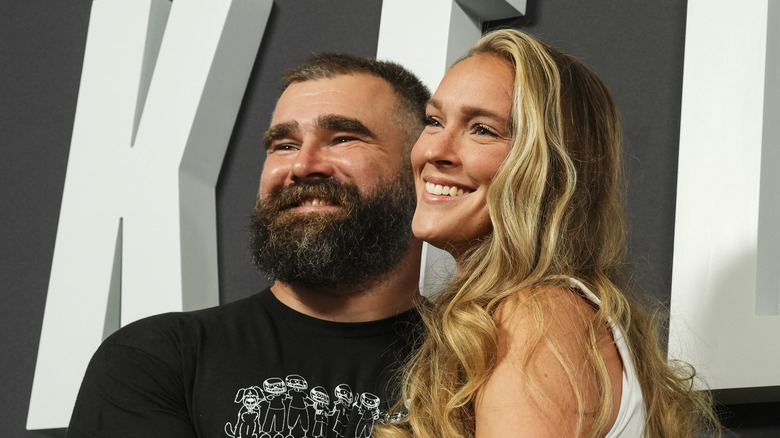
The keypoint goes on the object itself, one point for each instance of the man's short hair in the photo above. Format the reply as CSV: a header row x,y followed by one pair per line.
x,y
412,94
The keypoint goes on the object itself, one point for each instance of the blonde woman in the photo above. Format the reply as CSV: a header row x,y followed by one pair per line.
x,y
518,176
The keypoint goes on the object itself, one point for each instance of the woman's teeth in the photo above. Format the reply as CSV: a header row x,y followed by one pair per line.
x,y
438,189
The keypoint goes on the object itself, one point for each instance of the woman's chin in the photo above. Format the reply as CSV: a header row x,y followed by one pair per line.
x,y
430,232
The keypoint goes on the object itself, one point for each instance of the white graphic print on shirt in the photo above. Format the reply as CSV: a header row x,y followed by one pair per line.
x,y
284,409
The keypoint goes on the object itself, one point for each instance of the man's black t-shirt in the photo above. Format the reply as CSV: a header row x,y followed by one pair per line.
x,y
252,368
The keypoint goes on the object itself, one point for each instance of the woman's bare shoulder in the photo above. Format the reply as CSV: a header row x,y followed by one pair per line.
x,y
530,388
562,308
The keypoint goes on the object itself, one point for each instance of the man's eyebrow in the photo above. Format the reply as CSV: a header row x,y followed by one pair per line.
x,y
332,122
278,131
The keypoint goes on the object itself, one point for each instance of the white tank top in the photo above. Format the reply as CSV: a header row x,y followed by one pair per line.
x,y
630,421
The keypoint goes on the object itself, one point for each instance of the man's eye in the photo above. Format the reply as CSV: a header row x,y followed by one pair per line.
x,y
282,147
430,121
345,139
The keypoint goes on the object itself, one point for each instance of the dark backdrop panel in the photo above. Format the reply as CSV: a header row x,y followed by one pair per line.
x,y
637,47
41,51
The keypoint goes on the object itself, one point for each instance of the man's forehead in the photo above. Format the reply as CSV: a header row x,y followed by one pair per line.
x,y
347,90
360,101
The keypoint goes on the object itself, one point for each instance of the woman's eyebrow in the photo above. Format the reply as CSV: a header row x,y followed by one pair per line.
x,y
469,112
473,111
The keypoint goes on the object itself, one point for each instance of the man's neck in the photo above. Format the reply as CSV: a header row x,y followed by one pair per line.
x,y
377,298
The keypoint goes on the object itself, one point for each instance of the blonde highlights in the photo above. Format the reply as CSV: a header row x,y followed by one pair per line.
x,y
556,206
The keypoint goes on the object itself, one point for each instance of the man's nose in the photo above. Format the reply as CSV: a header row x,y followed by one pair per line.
x,y
312,163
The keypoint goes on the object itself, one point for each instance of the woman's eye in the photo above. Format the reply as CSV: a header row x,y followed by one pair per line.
x,y
482,130
430,121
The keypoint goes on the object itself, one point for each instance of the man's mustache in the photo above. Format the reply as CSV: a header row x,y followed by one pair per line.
x,y
330,191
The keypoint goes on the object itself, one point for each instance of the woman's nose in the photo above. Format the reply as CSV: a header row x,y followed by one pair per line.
x,y
439,148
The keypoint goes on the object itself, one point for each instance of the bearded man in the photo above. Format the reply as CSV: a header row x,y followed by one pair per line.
x,y
332,226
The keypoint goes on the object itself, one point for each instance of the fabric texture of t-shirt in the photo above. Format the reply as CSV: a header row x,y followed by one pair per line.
x,y
251,368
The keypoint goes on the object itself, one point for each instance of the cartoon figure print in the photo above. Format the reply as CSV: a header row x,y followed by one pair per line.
x,y
273,423
368,408
282,408
341,408
320,400
297,402
248,422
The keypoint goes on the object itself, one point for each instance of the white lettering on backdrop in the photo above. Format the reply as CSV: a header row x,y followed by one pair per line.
x,y
160,89
725,318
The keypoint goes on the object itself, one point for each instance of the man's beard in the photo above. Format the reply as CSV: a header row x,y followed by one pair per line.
x,y
367,236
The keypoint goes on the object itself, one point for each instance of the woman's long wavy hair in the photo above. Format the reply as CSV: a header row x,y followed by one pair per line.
x,y
556,205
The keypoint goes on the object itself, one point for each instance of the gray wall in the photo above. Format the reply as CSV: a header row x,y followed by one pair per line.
x,y
635,46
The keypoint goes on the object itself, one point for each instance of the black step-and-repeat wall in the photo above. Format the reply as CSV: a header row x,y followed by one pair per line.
x,y
636,47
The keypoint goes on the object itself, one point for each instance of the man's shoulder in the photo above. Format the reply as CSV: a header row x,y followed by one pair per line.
x,y
176,327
